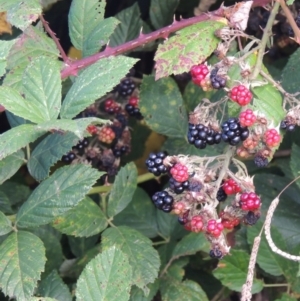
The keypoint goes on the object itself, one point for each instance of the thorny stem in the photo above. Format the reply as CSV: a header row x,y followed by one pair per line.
x,y
291,20
71,68
102,189
55,39
264,40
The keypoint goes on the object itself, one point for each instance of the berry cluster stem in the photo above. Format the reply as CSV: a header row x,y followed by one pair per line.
x,y
267,33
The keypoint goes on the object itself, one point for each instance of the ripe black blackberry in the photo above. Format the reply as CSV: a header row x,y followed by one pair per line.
x,y
221,195
133,111
233,132
126,87
68,158
155,164
163,201
82,144
200,135
251,218
215,253
260,161
178,187
217,81
119,151
285,125
122,119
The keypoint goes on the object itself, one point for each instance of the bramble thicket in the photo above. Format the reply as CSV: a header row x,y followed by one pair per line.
x,y
162,162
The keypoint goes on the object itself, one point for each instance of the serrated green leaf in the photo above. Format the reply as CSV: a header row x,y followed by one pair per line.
x,y
140,214
63,190
186,290
137,294
16,104
286,297
48,152
268,260
122,190
5,224
143,258
16,192
161,13
51,239
32,43
86,219
106,277
52,286
294,163
77,126
233,272
190,244
268,100
290,75
81,245
5,47
190,46
10,165
94,82
22,257
18,137
5,205
42,86
162,107
21,13
168,225
88,29
41,299
129,27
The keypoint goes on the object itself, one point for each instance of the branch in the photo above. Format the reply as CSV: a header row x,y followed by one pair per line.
x,y
264,40
142,39
55,39
291,20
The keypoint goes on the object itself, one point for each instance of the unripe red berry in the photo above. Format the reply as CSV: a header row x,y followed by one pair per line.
x,y
247,118
241,95
198,73
196,223
106,135
179,208
179,172
133,101
231,187
214,228
272,138
249,201
92,129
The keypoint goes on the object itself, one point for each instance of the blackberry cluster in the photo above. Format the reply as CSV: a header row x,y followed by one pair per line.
x,y
260,161
133,111
251,218
217,81
120,151
178,187
126,87
215,253
68,158
233,132
163,201
82,144
155,164
285,125
200,135
221,195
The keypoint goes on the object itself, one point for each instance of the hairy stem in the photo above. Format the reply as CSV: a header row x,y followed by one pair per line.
x,y
71,68
267,33
102,189
55,39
